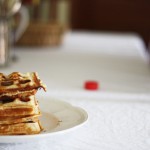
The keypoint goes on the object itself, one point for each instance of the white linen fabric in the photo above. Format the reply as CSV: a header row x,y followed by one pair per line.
x,y
119,114
67,71
116,44
118,125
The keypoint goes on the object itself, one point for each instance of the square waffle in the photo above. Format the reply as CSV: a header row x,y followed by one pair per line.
x,y
19,109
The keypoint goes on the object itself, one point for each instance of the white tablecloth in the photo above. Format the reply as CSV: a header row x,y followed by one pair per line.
x,y
112,125
119,114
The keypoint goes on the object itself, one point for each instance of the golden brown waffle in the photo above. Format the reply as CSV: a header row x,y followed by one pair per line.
x,y
18,101
21,128
17,82
19,110
13,120
17,94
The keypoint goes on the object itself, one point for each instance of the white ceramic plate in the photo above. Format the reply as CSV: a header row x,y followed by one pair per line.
x,y
57,117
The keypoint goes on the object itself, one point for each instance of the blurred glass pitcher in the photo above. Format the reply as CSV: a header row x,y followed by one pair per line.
x,y
4,43
7,9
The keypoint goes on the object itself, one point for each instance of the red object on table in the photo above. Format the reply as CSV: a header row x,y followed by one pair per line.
x,y
91,85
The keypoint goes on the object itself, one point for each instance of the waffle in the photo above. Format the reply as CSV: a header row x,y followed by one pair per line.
x,y
16,82
19,109
20,128
15,120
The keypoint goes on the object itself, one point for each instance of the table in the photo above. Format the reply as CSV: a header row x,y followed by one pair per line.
x,y
119,114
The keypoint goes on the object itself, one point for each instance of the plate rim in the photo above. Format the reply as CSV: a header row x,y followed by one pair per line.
x,y
21,138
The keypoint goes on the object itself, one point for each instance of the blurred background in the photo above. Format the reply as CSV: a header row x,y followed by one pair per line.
x,y
72,42
112,15
96,15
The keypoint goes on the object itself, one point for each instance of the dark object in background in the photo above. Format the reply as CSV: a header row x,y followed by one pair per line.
x,y
42,34
112,15
45,28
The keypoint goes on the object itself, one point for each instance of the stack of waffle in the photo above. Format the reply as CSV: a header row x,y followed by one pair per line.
x,y
19,110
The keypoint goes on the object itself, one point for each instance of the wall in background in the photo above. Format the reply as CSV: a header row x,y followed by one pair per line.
x,y
112,15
